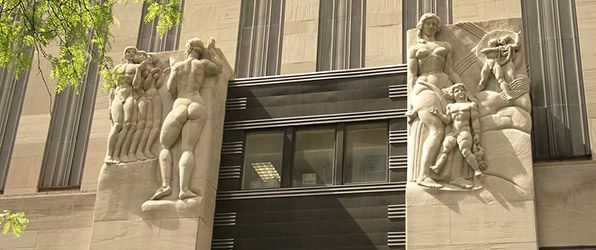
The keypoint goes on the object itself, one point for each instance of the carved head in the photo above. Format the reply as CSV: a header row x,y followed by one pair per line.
x,y
428,25
505,40
494,42
129,53
195,45
458,92
140,56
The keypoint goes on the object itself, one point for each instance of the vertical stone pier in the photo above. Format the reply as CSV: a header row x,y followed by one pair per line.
x,y
457,207
125,216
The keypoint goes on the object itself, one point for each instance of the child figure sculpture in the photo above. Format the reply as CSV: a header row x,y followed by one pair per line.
x,y
499,61
465,133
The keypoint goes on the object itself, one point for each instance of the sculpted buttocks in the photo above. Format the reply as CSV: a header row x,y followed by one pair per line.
x,y
188,115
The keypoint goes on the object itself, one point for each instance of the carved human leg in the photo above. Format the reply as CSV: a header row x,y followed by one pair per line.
x,y
170,133
448,143
156,110
430,146
500,76
120,143
117,116
465,141
138,141
191,133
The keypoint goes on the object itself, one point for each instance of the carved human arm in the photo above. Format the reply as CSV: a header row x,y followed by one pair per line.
x,y
138,79
475,117
110,100
412,67
164,76
213,65
516,43
172,82
448,69
445,118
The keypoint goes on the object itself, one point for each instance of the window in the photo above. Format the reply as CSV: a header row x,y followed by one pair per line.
x,y
263,159
314,153
320,155
365,153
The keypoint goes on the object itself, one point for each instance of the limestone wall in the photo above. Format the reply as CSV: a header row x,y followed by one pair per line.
x,y
57,220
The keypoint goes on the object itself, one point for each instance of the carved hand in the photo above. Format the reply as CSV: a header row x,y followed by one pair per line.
x,y
211,43
411,115
433,110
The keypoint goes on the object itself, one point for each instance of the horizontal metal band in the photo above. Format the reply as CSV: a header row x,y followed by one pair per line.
x,y
396,211
236,103
310,191
230,172
397,91
398,162
398,136
235,147
324,75
224,219
396,239
315,119
222,243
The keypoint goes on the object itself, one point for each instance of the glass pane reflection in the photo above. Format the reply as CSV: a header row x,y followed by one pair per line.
x,y
263,159
365,153
314,150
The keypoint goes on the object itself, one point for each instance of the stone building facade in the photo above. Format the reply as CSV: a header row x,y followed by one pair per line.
x,y
312,77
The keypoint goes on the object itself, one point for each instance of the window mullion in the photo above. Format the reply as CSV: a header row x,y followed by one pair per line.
x,y
288,158
339,155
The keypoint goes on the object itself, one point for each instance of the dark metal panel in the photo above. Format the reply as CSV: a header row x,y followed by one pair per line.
x,y
320,222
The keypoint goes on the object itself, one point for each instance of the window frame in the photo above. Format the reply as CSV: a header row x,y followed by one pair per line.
x,y
338,167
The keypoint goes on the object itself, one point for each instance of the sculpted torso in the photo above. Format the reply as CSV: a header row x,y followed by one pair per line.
x,y
128,71
189,85
431,58
460,114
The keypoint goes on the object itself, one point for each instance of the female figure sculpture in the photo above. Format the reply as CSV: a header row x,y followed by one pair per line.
x,y
121,108
429,71
148,74
140,110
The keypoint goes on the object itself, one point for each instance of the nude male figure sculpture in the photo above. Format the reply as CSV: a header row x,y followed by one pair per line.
x,y
188,114
465,132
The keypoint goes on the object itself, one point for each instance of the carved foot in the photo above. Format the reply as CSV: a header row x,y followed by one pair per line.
x,y
140,156
429,183
186,194
162,192
149,155
435,168
463,183
110,161
478,179
132,157
124,159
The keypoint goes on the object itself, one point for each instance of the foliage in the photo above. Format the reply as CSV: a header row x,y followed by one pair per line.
x,y
80,28
15,222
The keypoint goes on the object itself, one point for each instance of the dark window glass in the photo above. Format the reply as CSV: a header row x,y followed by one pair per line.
x,y
263,159
314,150
365,153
